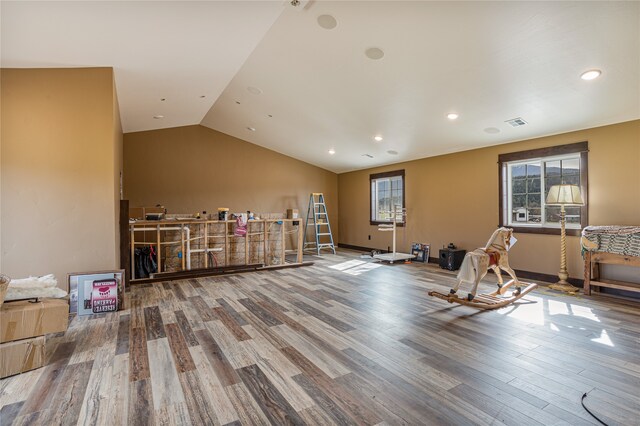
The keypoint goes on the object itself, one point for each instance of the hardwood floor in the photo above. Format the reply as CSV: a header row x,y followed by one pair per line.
x,y
343,341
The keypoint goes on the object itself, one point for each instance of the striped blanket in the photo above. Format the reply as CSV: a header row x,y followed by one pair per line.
x,y
624,240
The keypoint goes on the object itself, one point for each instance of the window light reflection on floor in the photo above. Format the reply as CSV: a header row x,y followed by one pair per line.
x,y
355,267
554,313
346,265
530,310
604,339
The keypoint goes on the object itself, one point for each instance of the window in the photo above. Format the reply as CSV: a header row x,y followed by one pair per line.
x,y
525,180
387,192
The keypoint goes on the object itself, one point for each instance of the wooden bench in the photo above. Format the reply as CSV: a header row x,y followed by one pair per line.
x,y
592,261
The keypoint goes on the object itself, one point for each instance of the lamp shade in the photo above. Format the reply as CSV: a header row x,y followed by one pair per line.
x,y
560,195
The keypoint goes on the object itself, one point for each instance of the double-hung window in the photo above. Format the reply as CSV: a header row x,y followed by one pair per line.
x,y
525,180
387,194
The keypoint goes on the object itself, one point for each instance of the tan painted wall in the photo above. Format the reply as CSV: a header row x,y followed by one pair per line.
x,y
454,198
193,168
59,143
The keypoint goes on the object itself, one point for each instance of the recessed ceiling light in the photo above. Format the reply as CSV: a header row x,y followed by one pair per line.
x,y
590,75
452,116
158,117
327,22
253,129
492,130
374,53
332,151
392,152
254,90
377,138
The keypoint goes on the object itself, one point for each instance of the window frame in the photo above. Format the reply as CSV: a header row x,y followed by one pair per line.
x,y
375,176
581,148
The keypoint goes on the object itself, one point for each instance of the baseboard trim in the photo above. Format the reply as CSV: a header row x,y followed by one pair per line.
x,y
528,275
548,278
360,248
538,276
211,272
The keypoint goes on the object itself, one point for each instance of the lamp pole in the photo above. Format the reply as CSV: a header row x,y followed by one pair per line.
x,y
563,274
562,284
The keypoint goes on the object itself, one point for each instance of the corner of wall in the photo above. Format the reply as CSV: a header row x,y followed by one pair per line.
x,y
118,165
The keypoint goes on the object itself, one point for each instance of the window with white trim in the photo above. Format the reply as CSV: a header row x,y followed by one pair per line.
x,y
526,178
387,192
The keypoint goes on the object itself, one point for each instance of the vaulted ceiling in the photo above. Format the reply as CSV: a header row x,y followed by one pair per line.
x,y
298,80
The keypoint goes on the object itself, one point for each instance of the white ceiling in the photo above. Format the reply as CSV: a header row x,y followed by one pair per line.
x,y
174,50
487,61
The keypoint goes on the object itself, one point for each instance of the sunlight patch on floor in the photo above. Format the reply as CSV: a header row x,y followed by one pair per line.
x,y
346,265
549,312
355,267
532,313
559,307
604,339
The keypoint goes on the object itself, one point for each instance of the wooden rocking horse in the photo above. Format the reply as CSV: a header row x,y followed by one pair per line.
x,y
475,266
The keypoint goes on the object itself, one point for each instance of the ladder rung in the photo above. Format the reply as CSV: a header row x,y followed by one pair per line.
x,y
324,233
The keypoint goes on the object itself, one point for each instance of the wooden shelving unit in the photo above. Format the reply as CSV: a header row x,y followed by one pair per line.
x,y
195,244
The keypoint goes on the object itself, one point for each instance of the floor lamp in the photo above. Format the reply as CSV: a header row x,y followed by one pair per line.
x,y
564,195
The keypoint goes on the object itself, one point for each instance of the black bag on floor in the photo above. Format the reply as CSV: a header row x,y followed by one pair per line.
x,y
145,261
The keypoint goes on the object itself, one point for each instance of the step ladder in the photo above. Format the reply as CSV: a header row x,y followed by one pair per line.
x,y
318,218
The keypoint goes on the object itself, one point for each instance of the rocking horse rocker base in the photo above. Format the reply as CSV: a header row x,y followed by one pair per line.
x,y
494,300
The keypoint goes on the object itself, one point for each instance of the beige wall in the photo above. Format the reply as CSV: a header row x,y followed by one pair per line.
x,y
60,139
454,198
191,169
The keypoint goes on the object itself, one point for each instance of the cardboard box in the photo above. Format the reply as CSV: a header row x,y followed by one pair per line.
x,y
140,213
23,355
136,213
292,213
22,320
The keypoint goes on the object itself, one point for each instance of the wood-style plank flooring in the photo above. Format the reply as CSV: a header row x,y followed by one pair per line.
x,y
344,341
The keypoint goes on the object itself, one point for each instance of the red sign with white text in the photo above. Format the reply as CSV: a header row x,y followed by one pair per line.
x,y
104,297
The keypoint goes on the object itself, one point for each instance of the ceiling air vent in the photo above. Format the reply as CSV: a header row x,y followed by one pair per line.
x,y
367,155
516,122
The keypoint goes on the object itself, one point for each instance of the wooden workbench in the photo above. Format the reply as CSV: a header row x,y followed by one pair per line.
x,y
201,240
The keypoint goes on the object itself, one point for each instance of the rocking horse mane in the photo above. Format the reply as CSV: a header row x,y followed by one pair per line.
x,y
499,238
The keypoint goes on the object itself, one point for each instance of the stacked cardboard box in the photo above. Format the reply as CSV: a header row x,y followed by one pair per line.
x,y
23,326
